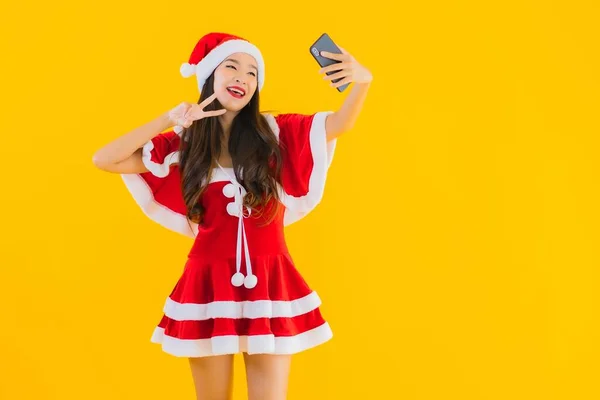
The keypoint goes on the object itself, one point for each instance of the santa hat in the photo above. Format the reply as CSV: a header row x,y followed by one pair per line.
x,y
212,49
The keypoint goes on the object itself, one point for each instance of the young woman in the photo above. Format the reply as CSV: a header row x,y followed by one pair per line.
x,y
232,178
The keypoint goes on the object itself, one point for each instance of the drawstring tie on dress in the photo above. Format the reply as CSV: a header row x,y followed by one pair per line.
x,y
236,208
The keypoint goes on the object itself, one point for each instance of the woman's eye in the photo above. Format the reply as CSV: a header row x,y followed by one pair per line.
x,y
252,73
230,66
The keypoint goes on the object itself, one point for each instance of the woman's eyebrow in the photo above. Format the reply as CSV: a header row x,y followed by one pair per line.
x,y
238,63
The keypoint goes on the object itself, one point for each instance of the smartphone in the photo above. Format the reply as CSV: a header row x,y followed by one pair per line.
x,y
324,43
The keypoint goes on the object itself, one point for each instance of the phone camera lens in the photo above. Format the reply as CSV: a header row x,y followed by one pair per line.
x,y
315,51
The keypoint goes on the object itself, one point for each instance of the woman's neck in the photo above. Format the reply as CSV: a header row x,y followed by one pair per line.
x,y
226,121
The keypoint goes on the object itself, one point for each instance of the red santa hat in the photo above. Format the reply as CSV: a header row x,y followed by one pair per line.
x,y
212,49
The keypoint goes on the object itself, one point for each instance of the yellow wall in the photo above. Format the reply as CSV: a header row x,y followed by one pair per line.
x,y
456,249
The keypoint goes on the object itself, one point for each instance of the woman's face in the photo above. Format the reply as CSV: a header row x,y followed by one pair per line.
x,y
236,81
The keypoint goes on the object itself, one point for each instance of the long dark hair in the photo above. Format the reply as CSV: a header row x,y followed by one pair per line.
x,y
253,148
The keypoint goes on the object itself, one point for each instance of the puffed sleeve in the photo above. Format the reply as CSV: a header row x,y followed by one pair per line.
x,y
158,191
306,158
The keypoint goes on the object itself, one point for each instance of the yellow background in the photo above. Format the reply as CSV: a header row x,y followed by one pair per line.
x,y
456,248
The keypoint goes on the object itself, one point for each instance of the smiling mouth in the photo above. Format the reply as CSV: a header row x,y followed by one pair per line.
x,y
236,91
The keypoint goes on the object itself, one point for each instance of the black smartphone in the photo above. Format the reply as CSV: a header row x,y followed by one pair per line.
x,y
325,43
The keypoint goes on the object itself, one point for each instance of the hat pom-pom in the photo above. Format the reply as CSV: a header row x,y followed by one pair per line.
x,y
187,70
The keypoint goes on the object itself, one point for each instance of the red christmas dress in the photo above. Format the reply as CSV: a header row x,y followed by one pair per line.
x,y
240,290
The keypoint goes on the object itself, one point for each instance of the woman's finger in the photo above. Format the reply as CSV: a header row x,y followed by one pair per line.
x,y
347,79
334,56
208,100
337,75
194,111
335,67
215,113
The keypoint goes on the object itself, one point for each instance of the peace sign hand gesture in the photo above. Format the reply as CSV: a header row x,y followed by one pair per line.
x,y
185,113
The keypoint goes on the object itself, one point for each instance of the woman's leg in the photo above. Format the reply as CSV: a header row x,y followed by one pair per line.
x,y
213,377
267,376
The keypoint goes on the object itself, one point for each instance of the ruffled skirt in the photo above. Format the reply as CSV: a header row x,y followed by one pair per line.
x,y
206,315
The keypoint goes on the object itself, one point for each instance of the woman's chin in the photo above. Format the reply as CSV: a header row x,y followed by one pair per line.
x,y
232,104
